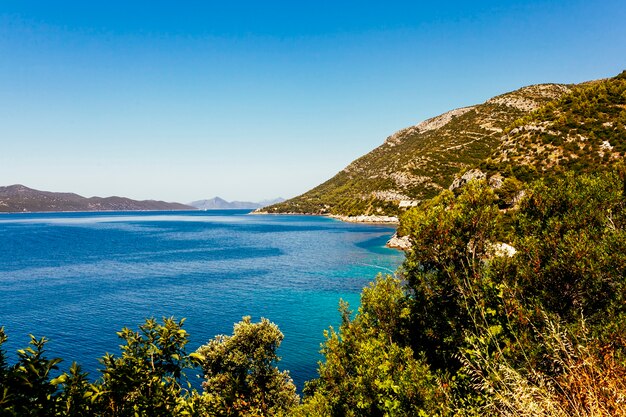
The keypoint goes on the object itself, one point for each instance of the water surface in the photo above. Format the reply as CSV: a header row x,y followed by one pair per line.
x,y
78,278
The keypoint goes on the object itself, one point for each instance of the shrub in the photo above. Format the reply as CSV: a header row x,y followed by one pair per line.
x,y
240,376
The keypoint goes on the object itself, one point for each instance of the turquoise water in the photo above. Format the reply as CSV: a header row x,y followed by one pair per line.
x,y
78,278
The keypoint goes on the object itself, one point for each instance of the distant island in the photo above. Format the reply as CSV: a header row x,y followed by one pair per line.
x,y
18,199
217,203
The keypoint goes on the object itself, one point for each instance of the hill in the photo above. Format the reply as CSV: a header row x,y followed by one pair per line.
x,y
582,131
539,127
18,198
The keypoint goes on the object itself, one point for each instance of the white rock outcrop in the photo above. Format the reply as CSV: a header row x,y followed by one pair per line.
x,y
399,242
472,174
427,125
367,219
500,250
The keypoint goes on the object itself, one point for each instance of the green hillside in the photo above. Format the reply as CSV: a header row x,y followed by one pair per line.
x,y
582,131
418,162
541,128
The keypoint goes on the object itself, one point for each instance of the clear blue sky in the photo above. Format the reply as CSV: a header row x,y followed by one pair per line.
x,y
255,99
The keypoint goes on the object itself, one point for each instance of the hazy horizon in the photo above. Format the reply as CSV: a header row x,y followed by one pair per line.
x,y
252,101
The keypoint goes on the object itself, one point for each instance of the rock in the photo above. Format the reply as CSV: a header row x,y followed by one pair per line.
x,y
496,181
500,250
389,196
399,242
367,219
427,125
472,174
606,145
409,203
518,197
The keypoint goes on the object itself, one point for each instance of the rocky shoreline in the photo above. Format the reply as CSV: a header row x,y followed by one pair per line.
x,y
366,219
402,243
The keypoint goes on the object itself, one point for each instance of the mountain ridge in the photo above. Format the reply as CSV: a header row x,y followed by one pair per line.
x,y
218,203
18,198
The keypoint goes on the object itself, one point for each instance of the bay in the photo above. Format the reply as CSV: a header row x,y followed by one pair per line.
x,y
78,278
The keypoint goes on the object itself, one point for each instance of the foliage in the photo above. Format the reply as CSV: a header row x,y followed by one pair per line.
x,y
146,378
240,379
369,370
571,235
509,192
26,388
591,380
74,399
479,325
450,237
582,131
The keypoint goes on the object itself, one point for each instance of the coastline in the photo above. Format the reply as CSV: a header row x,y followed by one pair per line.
x,y
389,220
395,242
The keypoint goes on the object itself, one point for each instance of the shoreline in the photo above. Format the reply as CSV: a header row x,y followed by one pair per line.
x,y
402,243
390,220
367,219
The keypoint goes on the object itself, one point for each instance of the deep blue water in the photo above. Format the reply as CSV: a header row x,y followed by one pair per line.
x,y
78,278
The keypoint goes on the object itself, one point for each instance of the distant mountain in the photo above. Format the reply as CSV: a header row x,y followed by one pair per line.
x,y
266,203
217,203
18,198
531,132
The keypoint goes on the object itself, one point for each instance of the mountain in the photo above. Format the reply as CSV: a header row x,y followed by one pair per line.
x,y
266,203
18,198
217,203
519,134
584,130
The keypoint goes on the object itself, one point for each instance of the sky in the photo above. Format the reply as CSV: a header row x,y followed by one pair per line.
x,y
251,100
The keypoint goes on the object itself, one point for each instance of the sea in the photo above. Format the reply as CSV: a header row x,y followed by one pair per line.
x,y
78,278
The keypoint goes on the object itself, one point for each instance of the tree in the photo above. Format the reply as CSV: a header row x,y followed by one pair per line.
x,y
451,237
74,399
571,236
240,376
26,388
369,370
4,373
146,378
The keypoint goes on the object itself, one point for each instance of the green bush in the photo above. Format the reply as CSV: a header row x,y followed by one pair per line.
x,y
148,378
369,369
240,376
